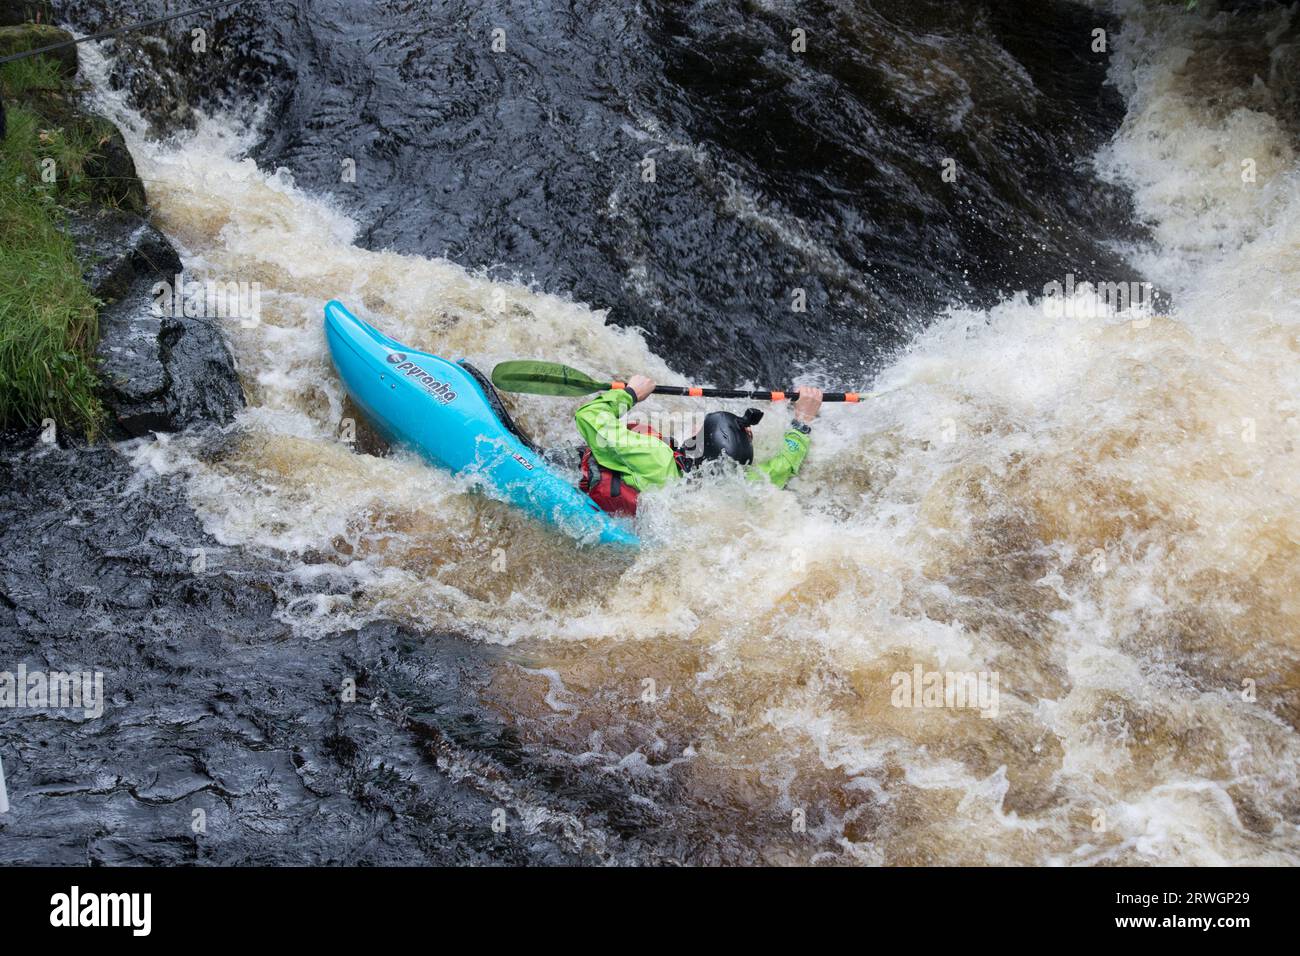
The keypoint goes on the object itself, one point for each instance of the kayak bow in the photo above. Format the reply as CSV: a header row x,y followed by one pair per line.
x,y
443,411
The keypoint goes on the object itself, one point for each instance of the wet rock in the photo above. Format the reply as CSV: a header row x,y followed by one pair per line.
x,y
110,171
165,77
113,179
160,373
30,36
226,736
115,247
20,437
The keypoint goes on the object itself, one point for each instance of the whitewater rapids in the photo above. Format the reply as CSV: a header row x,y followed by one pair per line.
x,y
1104,512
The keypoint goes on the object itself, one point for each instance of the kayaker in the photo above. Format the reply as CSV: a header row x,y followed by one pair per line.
x,y
623,459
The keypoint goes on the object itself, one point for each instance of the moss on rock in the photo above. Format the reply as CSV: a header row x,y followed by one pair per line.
x,y
20,38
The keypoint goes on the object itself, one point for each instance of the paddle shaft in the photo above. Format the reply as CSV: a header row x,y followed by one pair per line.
x,y
694,391
551,378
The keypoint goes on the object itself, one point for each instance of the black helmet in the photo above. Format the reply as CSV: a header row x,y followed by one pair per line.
x,y
724,434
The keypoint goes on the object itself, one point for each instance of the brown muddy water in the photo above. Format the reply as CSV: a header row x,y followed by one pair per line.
x,y
1097,514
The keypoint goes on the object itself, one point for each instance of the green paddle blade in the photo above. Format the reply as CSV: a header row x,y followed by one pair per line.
x,y
544,378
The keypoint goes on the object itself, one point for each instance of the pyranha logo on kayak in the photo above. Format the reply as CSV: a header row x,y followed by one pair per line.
x,y
439,390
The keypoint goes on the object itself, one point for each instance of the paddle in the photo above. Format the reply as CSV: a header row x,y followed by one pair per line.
x,y
552,378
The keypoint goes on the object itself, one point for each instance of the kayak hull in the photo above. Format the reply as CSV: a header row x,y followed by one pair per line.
x,y
438,409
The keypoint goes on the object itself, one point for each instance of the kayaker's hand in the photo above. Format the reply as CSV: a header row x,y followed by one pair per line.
x,y
642,387
809,404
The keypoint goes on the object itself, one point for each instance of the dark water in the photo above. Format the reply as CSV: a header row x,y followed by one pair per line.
x,y
774,171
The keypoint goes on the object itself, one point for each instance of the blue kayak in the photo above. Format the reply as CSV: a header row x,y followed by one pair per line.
x,y
451,415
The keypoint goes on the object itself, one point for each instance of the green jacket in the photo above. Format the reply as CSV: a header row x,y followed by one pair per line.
x,y
647,462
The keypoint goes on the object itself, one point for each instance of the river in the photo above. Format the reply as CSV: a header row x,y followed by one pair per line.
x,y
1101,510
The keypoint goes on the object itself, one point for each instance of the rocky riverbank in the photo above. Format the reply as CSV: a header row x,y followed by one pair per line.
x,y
225,738
157,373
312,654
227,734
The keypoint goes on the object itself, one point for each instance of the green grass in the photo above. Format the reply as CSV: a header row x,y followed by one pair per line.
x,y
48,320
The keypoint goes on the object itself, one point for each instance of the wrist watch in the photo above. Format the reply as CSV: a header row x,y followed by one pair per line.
x,y
801,426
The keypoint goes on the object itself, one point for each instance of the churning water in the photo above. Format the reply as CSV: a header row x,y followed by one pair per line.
x,y
1100,510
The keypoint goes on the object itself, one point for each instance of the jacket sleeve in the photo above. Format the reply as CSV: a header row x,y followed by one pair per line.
x,y
783,466
643,460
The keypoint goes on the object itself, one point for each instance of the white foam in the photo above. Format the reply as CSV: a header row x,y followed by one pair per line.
x,y
1068,502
